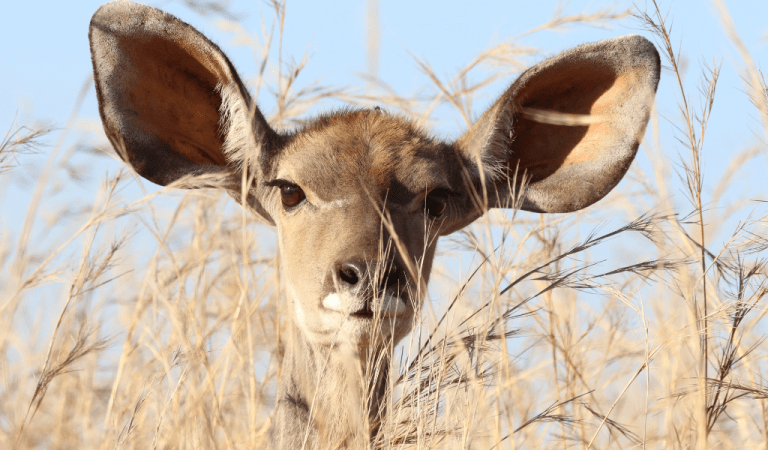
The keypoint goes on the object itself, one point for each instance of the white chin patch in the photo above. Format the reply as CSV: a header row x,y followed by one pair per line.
x,y
339,315
344,303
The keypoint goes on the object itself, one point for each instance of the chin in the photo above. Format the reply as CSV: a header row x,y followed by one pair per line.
x,y
364,333
338,321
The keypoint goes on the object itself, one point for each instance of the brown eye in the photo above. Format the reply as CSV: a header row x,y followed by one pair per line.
x,y
435,204
291,195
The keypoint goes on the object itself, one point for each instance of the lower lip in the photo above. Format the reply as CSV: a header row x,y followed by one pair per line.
x,y
390,307
365,316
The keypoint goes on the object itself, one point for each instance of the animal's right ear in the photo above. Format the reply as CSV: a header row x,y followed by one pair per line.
x,y
172,104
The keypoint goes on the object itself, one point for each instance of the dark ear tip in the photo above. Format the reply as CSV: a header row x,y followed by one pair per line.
x,y
640,50
115,7
118,17
638,42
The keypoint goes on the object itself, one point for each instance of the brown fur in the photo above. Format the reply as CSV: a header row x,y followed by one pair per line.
x,y
173,105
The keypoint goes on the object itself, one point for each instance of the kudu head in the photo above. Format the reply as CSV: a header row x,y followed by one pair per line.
x,y
359,197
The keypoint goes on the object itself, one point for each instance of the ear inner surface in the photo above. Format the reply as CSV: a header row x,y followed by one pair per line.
x,y
157,80
542,148
173,105
572,124
176,99
579,162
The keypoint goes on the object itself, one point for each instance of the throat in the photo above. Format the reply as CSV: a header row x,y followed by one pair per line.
x,y
331,396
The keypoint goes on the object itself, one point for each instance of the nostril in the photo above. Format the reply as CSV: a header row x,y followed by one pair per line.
x,y
349,276
393,278
356,274
350,273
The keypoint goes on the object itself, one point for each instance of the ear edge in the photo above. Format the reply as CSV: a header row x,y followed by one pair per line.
x,y
239,122
637,66
625,54
123,34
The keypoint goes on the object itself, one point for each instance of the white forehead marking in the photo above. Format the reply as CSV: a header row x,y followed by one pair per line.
x,y
338,203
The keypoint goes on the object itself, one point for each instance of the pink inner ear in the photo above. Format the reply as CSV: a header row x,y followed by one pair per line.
x,y
174,97
543,148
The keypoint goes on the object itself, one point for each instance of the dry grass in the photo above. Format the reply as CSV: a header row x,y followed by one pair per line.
x,y
155,322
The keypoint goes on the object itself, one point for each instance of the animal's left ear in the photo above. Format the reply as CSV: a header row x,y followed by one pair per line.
x,y
571,126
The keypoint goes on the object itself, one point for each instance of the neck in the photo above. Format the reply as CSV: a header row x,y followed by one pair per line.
x,y
328,397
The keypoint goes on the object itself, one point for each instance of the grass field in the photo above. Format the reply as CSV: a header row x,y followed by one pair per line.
x,y
153,320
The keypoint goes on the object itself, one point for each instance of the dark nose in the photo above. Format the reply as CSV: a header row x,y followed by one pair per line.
x,y
356,274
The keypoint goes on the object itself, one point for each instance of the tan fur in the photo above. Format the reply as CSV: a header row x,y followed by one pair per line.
x,y
357,251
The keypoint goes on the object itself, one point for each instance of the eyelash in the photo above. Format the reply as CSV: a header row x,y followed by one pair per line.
x,y
290,193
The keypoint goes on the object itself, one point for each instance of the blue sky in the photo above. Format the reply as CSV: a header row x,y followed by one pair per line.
x,y
45,53
45,61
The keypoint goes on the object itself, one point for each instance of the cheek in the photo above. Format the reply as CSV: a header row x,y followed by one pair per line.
x,y
428,258
303,257
420,247
297,269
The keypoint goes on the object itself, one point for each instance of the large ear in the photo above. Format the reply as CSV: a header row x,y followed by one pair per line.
x,y
171,102
570,126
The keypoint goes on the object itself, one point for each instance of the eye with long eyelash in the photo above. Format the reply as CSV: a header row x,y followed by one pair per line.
x,y
291,194
436,202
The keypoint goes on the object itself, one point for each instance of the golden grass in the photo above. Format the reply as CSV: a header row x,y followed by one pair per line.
x,y
151,323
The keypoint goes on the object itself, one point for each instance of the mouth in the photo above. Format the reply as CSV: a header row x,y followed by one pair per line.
x,y
358,308
351,320
362,314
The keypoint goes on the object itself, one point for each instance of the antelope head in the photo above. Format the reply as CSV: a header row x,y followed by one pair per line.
x,y
359,197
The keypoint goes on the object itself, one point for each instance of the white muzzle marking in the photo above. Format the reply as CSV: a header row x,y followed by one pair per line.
x,y
386,306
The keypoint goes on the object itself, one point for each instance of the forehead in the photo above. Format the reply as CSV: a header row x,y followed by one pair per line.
x,y
347,151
